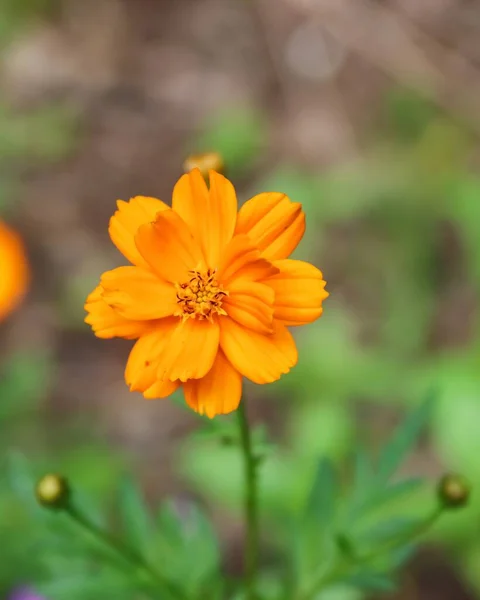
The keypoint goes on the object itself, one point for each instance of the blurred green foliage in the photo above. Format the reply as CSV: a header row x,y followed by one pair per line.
x,y
44,135
238,135
346,533
16,15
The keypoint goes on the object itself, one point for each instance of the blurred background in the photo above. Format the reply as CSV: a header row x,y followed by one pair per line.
x,y
367,112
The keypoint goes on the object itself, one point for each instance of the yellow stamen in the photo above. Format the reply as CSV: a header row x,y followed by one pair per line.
x,y
201,297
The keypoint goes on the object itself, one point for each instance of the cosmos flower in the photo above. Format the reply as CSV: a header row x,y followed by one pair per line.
x,y
14,270
210,293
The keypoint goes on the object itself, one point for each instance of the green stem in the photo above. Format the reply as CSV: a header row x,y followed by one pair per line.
x,y
251,503
131,555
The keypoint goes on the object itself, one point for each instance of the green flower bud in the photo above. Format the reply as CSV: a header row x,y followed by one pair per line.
x,y
53,491
453,491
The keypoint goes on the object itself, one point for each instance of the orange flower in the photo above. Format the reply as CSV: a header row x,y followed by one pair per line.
x,y
14,270
210,293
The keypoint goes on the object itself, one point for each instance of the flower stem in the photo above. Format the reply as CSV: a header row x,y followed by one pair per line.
x,y
131,555
251,503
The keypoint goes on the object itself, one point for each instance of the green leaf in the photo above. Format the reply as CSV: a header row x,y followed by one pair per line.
x,y
371,581
339,592
363,476
313,536
403,440
201,541
320,507
389,530
22,481
169,525
178,538
391,493
134,514
400,556
89,586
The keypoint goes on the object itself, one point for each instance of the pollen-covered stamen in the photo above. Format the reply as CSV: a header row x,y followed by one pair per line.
x,y
200,297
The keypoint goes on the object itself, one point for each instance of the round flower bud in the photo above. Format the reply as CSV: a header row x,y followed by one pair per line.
x,y
204,162
453,491
53,491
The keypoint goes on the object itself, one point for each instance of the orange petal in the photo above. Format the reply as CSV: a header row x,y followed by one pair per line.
x,y
14,270
127,219
250,304
138,294
142,364
299,292
191,350
168,247
274,223
161,389
107,323
260,358
218,393
241,259
210,215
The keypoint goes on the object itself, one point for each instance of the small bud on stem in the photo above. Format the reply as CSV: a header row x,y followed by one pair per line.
x,y
453,491
53,491
205,162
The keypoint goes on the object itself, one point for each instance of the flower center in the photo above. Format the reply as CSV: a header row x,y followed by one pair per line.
x,y
200,297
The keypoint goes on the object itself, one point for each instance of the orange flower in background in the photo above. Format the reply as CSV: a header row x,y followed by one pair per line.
x,y
210,293
14,270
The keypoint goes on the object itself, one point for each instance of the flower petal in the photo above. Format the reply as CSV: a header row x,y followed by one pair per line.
x,y
143,361
127,219
210,215
299,292
260,358
274,223
191,350
138,294
242,259
168,247
161,389
14,269
250,304
218,393
107,323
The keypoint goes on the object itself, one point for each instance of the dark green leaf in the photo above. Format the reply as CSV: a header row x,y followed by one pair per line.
x,y
89,585
363,476
134,514
390,530
320,506
169,525
371,581
403,440
22,481
391,493
200,540
400,556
